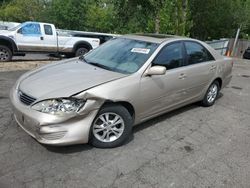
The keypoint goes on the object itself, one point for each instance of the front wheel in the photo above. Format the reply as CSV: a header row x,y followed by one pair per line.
x,y
211,94
5,54
111,127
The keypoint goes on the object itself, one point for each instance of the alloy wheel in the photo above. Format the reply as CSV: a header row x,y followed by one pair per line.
x,y
212,93
108,127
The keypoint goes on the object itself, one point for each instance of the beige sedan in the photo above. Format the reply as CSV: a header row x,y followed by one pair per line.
x,y
99,97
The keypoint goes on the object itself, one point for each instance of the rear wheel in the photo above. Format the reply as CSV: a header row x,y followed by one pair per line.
x,y
211,94
81,51
111,127
5,54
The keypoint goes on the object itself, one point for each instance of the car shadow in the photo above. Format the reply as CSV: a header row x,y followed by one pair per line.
x,y
164,117
137,128
33,60
68,149
220,95
168,115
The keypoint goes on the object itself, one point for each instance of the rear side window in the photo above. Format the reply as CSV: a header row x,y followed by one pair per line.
x,y
171,56
48,30
196,53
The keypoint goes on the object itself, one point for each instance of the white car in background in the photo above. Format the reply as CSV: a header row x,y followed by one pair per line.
x,y
39,37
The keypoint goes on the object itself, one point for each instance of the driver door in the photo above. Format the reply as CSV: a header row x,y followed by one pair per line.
x,y
161,92
29,38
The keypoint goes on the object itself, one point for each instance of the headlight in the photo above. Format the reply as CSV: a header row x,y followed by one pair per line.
x,y
59,106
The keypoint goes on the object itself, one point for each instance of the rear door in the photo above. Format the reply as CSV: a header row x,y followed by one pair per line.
x,y
49,38
200,69
29,37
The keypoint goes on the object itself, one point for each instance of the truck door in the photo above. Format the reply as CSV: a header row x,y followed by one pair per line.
x,y
29,38
49,38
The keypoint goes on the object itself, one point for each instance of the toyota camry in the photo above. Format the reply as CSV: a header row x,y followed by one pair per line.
x,y
100,96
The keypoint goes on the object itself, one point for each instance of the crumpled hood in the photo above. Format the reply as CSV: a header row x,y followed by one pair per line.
x,y
64,79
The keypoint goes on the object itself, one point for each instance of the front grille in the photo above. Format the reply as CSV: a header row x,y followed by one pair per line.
x,y
25,99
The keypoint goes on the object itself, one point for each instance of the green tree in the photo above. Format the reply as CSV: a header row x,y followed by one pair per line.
x,y
67,14
202,19
174,17
100,17
21,10
214,19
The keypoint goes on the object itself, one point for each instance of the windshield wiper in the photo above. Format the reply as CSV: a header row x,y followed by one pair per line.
x,y
94,64
99,65
83,58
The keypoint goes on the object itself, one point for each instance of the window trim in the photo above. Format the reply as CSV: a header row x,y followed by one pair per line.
x,y
168,44
186,55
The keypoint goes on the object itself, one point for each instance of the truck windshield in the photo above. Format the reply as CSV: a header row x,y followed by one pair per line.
x,y
15,28
121,55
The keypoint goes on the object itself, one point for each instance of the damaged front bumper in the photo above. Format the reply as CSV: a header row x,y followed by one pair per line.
x,y
55,130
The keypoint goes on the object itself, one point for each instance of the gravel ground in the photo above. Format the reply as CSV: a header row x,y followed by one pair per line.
x,y
27,62
190,147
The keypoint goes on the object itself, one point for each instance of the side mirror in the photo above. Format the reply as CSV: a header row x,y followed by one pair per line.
x,y
156,70
19,31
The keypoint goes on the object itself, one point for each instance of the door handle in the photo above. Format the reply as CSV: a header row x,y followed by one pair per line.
x,y
41,38
182,76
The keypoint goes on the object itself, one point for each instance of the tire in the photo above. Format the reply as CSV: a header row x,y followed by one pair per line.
x,y
81,51
5,54
102,128
211,94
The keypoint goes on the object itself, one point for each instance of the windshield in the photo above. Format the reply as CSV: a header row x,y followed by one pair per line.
x,y
121,55
14,28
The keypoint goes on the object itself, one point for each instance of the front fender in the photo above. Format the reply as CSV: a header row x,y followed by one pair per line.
x,y
4,40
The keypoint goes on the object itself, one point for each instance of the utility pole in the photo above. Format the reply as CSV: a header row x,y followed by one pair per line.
x,y
235,41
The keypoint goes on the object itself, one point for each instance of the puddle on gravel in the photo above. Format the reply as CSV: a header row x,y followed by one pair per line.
x,y
245,76
188,148
236,87
2,97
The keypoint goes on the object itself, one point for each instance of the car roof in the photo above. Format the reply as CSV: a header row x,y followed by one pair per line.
x,y
154,38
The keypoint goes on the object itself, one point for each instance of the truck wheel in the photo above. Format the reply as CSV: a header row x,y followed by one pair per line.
x,y
5,54
81,51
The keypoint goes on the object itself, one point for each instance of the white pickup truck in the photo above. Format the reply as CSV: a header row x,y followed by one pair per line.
x,y
39,37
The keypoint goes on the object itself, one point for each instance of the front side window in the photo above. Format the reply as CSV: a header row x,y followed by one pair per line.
x,y
196,53
48,30
170,56
31,29
121,55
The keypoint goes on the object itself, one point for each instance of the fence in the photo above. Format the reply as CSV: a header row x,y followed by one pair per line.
x,y
220,46
225,46
240,48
